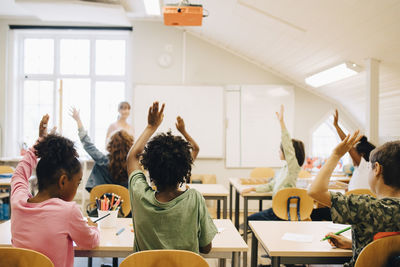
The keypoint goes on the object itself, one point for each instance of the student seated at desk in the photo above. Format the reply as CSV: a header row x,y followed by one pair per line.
x,y
366,214
111,168
167,218
292,151
49,221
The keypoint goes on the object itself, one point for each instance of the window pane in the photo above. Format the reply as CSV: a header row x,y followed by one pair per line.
x,y
39,56
38,100
74,56
108,96
76,93
110,57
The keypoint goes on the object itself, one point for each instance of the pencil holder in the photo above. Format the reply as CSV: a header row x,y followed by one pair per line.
x,y
109,221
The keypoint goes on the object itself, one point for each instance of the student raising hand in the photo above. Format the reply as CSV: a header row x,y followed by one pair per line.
x,y
155,116
43,126
339,241
347,144
180,125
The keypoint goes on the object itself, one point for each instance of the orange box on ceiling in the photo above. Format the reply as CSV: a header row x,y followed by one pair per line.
x,y
183,15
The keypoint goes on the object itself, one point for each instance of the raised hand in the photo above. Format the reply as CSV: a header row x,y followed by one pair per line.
x,y
74,113
155,115
43,126
279,115
347,143
336,118
180,124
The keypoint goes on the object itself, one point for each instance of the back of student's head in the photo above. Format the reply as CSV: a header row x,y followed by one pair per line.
x,y
388,156
118,147
299,150
168,159
364,148
57,157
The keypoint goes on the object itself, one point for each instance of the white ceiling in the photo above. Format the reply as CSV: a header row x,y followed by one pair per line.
x,y
296,38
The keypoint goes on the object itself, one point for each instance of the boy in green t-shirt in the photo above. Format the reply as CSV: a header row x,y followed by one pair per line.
x,y
167,218
367,215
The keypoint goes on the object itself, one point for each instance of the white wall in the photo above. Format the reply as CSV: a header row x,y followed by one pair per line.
x,y
205,64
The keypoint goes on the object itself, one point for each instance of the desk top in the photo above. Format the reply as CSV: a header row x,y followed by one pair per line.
x,y
211,190
229,240
7,181
270,233
235,182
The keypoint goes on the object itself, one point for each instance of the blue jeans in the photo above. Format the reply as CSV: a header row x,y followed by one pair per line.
x,y
265,215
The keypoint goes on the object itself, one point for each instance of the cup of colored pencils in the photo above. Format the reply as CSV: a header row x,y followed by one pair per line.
x,y
109,203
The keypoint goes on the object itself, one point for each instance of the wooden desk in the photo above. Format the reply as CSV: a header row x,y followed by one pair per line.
x,y
214,192
269,234
235,183
227,244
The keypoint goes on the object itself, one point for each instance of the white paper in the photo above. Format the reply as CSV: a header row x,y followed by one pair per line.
x,y
297,237
220,229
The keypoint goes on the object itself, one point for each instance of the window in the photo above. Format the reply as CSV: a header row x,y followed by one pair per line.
x,y
325,139
58,70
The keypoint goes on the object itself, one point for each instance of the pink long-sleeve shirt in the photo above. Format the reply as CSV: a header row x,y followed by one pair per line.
x,y
50,226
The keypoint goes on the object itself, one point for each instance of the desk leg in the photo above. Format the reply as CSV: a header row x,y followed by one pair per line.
x,y
218,208
260,205
225,208
254,251
230,200
275,261
245,214
235,259
237,196
221,262
115,262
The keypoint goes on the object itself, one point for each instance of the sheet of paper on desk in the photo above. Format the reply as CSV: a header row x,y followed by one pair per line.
x,y
220,229
337,226
297,237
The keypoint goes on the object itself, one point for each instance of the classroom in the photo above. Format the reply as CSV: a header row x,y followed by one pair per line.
x,y
204,133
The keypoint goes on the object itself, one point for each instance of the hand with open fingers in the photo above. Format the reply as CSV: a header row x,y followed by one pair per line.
x,y
180,124
338,241
156,115
74,113
43,126
336,118
347,143
279,115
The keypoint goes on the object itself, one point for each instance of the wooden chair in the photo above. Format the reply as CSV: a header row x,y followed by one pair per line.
x,y
204,178
100,190
293,196
165,258
378,252
360,192
304,174
6,169
262,172
22,257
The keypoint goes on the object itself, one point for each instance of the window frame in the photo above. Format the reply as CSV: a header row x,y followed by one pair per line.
x,y
19,76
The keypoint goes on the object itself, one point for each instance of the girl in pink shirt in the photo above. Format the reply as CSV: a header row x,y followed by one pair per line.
x,y
49,221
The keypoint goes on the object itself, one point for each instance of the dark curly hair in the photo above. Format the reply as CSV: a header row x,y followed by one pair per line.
x,y
57,157
364,148
168,159
118,147
388,156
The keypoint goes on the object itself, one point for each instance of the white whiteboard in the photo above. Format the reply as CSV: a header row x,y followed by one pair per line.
x,y
253,134
201,107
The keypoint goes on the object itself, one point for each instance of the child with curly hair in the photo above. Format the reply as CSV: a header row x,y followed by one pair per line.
x,y
167,218
49,221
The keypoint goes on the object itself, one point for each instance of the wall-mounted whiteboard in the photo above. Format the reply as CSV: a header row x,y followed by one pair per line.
x,y
253,134
201,107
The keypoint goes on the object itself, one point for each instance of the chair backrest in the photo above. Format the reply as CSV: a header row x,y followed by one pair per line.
x,y
280,204
304,174
378,252
22,257
204,178
360,192
6,169
164,258
100,190
262,172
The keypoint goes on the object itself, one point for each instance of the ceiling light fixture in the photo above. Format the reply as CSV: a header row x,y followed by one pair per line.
x,y
336,73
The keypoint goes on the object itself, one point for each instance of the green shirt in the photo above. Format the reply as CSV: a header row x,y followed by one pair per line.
x,y
182,223
287,175
367,215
